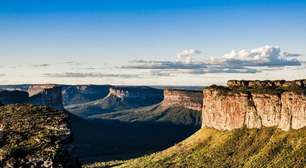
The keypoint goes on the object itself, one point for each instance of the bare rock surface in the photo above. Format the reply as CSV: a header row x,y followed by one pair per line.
x,y
189,99
255,104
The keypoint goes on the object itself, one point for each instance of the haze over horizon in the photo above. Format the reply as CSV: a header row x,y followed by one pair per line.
x,y
133,42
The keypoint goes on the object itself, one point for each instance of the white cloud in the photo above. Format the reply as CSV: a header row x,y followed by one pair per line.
x,y
262,56
242,61
186,56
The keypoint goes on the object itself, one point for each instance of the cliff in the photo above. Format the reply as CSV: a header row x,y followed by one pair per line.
x,y
35,136
48,95
255,104
189,99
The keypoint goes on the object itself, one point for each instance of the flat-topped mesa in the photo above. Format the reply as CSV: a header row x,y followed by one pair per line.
x,y
78,94
47,95
139,96
227,108
186,98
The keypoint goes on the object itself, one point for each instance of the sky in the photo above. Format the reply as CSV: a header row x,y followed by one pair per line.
x,y
151,42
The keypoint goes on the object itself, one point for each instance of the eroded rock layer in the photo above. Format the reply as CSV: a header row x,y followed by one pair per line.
x,y
255,104
188,99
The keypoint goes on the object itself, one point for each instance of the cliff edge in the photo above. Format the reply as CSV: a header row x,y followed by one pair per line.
x,y
189,99
255,104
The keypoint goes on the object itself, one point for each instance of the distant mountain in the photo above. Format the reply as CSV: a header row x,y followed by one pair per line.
x,y
78,94
119,98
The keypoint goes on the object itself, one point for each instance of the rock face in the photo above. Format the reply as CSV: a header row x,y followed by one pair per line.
x,y
35,136
48,95
255,104
189,99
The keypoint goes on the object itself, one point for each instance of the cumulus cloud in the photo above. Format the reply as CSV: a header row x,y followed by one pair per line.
x,y
262,56
88,75
241,61
186,56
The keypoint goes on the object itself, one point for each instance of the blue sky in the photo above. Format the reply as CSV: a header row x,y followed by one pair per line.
x,y
65,41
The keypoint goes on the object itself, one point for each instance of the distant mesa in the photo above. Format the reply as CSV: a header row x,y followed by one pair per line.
x,y
47,95
118,98
184,98
78,94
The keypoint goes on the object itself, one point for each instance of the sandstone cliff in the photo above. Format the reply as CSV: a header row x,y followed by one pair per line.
x,y
255,104
188,99
35,136
48,95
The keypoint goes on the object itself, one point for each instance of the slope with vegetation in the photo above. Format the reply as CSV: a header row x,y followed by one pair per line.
x,y
211,148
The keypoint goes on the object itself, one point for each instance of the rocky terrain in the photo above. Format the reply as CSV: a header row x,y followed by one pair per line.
x,y
35,136
255,104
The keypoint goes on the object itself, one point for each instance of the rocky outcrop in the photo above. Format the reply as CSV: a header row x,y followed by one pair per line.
x,y
47,95
255,104
186,98
35,136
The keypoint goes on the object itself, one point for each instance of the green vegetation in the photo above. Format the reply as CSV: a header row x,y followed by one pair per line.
x,y
260,90
268,147
33,136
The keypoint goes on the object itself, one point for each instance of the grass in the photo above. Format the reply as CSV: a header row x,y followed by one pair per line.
x,y
250,148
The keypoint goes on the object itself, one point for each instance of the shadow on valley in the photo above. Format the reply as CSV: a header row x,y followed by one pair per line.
x,y
105,140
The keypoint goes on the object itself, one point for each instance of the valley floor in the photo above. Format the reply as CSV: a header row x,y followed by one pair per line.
x,y
268,147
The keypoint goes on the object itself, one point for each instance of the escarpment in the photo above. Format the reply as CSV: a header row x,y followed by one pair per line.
x,y
35,136
48,95
255,104
189,99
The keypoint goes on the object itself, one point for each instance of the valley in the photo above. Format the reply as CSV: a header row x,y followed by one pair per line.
x,y
244,124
